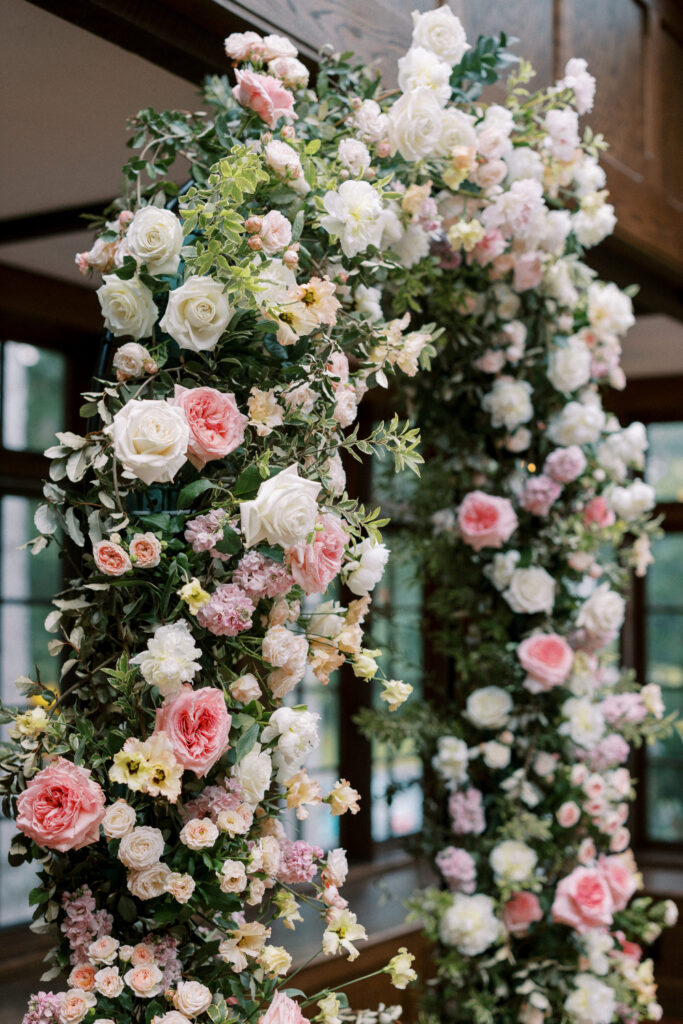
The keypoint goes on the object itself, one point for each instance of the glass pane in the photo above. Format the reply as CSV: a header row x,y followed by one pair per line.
x,y
664,468
15,883
34,385
665,649
23,575
23,646
664,806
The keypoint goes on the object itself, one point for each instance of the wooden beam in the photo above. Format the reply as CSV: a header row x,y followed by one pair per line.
x,y
66,220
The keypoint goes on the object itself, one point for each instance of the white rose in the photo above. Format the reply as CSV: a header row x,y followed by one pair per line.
x,y
415,122
353,154
119,820
569,366
509,403
132,359
370,121
198,834
365,572
412,246
149,882
290,71
496,755
297,735
591,1002
254,773
451,760
192,998
273,46
354,214
470,923
170,658
284,649
502,569
633,501
457,129
286,164
585,723
368,302
109,982
420,69
155,237
512,862
197,314
530,591
128,307
578,423
283,512
489,707
141,848
610,311
150,439
603,612
442,33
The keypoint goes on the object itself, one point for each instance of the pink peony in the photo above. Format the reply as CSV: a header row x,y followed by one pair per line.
x,y
197,723
458,868
621,880
597,513
228,611
520,911
110,558
547,658
539,494
315,565
283,1010
297,862
583,900
259,576
61,807
565,464
467,812
485,521
265,95
216,424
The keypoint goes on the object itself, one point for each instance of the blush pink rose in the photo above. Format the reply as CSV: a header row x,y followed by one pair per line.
x,y
520,911
283,1010
265,95
565,464
485,521
596,512
490,248
315,565
539,494
568,814
216,424
61,807
146,549
583,900
275,233
528,272
621,880
547,658
197,723
110,558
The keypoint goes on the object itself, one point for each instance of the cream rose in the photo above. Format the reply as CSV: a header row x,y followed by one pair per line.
x,y
233,876
508,403
144,980
155,237
441,32
531,590
470,924
578,423
128,307
119,820
415,124
75,1006
489,707
149,882
197,314
150,439
141,848
198,833
132,360
283,512
192,998
109,982
603,612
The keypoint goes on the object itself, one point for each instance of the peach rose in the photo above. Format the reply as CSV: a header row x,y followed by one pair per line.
x,y
216,424
142,954
103,950
197,723
61,807
145,980
145,548
583,900
547,658
485,521
621,880
109,982
111,559
265,95
82,977
76,1005
283,1010
315,565
521,910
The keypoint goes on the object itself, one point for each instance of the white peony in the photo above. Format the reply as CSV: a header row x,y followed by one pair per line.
x,y
610,311
197,314
591,1002
603,612
354,214
592,224
442,33
530,591
254,773
128,307
150,439
141,848
470,924
569,366
632,501
420,69
502,568
155,238
509,402
589,176
170,658
297,735
412,246
370,121
585,723
578,423
451,760
415,124
354,154
365,572
513,862
283,512
489,707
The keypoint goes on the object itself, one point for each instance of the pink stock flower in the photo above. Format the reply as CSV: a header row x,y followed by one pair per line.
x,y
228,611
197,723
110,558
315,565
547,658
610,751
623,707
216,424
485,521
520,911
214,799
621,880
297,862
44,1008
259,576
583,900
467,812
265,95
565,464
61,807
597,513
539,494
458,868
283,1010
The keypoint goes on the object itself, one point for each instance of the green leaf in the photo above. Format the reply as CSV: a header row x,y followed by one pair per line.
x,y
246,742
192,490
127,909
230,543
277,554
247,484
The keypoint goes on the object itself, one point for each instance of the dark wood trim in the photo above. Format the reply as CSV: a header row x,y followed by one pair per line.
x,y
44,310
64,221
649,399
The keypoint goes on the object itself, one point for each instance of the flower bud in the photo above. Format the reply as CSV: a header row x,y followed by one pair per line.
x,y
255,243
253,225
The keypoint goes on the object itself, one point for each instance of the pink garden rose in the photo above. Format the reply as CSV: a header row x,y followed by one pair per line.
x,y
583,900
197,723
145,548
485,521
596,512
520,911
216,424
621,880
61,807
539,494
315,565
283,1010
265,95
547,658
110,558
565,464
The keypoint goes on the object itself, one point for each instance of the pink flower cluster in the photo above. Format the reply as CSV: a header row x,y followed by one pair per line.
x,y
467,812
228,611
610,751
165,952
259,576
82,923
539,494
458,868
297,861
214,799
204,532
623,707
44,1008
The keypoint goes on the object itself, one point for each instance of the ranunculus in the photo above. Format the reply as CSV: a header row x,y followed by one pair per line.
x,y
283,1010
283,512
111,558
583,900
141,848
145,548
547,658
565,464
192,998
197,723
314,565
128,307
354,214
197,314
155,237
265,95
539,494
530,591
486,521
61,808
489,707
622,881
521,911
216,424
441,32
150,439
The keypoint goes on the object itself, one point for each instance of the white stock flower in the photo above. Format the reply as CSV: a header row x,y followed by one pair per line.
x,y
513,862
569,365
366,570
509,402
610,310
128,307
419,68
632,501
470,924
254,773
585,723
415,122
578,423
197,314
296,733
155,237
603,612
441,32
354,214
451,760
150,439
170,658
141,848
530,591
489,707
283,512
591,1002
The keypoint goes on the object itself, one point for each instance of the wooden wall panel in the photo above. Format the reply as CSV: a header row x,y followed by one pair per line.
x,y
670,112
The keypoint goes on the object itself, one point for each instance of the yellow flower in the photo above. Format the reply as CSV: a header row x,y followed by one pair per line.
x,y
288,908
364,665
399,967
29,724
395,693
194,595
341,932
465,234
302,790
329,1009
41,702
148,766
130,765
275,960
